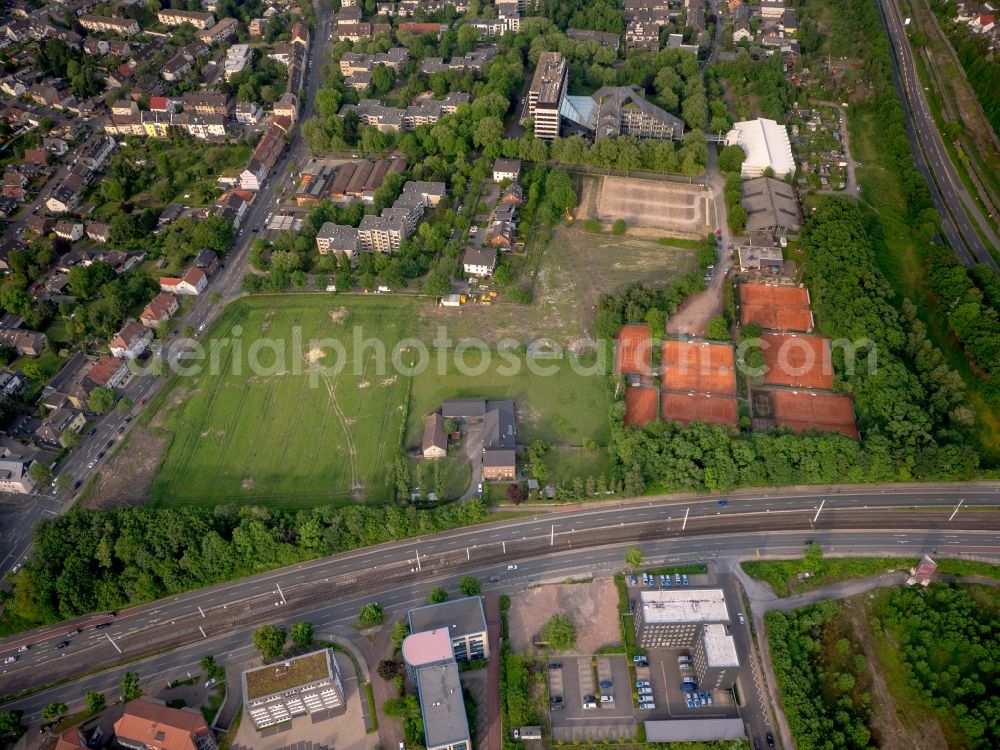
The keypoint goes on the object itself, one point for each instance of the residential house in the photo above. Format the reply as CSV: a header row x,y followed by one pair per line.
x,y
176,67
8,207
40,225
264,158
208,103
435,442
149,725
14,184
69,230
193,282
226,29
12,384
160,310
110,25
67,195
14,475
238,57
171,18
248,113
131,341
36,156
51,430
69,385
506,169
96,153
27,343
287,106
98,231
499,433
480,261
208,261
232,206
107,372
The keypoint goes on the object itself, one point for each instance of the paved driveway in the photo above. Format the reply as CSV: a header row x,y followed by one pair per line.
x,y
474,452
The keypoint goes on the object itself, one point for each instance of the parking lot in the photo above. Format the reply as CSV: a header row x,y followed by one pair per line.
x,y
584,715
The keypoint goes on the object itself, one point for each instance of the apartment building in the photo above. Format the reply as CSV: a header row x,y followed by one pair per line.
x,y
171,18
545,96
109,25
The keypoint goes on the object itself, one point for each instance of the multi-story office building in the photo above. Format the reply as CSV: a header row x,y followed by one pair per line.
x,y
672,618
463,619
548,86
715,658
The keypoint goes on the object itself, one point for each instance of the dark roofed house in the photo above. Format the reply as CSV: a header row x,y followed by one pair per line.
x,y
69,385
435,443
499,439
464,409
27,343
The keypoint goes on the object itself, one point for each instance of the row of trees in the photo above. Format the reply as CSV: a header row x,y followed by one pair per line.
x,y
84,562
973,319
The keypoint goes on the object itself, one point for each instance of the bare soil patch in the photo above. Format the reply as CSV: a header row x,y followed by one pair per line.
x,y
655,204
338,315
126,477
592,607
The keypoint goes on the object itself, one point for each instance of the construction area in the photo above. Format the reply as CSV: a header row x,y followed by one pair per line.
x,y
683,210
779,308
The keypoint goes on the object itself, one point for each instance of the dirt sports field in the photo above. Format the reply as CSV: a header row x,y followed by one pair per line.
x,y
632,349
783,308
698,366
802,361
640,406
684,407
807,410
681,209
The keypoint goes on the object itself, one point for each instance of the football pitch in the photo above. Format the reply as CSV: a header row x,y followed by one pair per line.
x,y
273,423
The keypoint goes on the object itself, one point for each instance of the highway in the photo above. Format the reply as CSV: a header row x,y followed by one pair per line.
x,y
905,520
950,196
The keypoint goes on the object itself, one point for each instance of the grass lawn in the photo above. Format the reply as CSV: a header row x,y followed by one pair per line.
x,y
782,574
561,409
287,436
567,463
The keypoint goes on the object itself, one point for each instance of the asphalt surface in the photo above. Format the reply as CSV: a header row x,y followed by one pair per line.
x,y
911,520
950,196
21,513
233,649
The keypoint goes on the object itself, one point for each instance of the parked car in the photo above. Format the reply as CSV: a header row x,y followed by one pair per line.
x,y
638,658
109,443
590,704
16,569
605,684
685,578
645,691
643,683
555,665
633,580
770,740
677,578
647,706
741,618
663,581
606,698
211,683
756,744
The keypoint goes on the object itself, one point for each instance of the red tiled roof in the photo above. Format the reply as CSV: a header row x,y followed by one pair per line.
x,y
104,369
194,276
157,726
160,308
158,103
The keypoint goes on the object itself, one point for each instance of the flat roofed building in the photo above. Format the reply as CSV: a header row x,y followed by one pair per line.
x,y
671,618
715,658
303,685
427,647
548,86
338,239
465,621
442,706
757,257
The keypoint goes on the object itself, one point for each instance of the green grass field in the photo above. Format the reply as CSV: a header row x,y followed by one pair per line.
x,y
562,409
287,437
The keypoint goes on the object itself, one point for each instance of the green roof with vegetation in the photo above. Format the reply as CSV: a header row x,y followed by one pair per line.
x,y
281,676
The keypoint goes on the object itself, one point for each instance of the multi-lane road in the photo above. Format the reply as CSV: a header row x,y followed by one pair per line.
x,y
960,216
900,520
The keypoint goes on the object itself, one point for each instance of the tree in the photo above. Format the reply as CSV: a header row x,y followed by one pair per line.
x,y
717,329
10,722
399,632
69,438
269,640
731,159
560,633
64,482
371,614
382,79
812,557
207,664
633,557
54,711
388,669
302,633
101,400
94,702
514,494
129,686
41,473
469,586
619,227
437,595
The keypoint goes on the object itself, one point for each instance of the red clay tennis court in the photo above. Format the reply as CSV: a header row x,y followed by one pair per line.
x,y
685,407
632,349
640,406
804,410
798,361
697,366
783,308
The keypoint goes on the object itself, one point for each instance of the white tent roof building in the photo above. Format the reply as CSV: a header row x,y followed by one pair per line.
x,y
766,145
